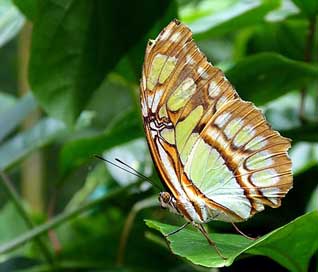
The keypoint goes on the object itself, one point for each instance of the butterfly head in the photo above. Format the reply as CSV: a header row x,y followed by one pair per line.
x,y
168,201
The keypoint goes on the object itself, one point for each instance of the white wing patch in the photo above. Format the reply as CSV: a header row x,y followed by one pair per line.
x,y
156,100
221,120
207,170
214,89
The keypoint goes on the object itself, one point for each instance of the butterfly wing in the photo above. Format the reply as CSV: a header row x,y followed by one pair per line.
x,y
239,162
159,71
209,146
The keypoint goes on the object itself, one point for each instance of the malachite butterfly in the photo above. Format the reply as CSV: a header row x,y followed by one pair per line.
x,y
217,156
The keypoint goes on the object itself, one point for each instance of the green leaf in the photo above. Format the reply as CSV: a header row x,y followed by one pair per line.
x,y
130,65
286,38
313,202
190,11
239,15
12,225
76,43
303,157
301,233
308,7
193,246
96,179
11,21
6,102
124,128
113,95
20,264
27,7
13,116
283,115
13,150
285,10
100,227
308,133
134,153
263,77
64,217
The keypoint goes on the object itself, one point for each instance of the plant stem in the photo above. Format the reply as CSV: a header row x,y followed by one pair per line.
x,y
140,205
32,167
18,204
307,58
63,217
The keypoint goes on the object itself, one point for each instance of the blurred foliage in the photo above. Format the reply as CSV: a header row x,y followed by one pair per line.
x,y
84,70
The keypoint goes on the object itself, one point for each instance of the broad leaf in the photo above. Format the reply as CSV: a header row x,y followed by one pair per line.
x,y
20,264
6,102
76,43
267,76
130,65
136,154
27,7
123,129
11,21
11,225
13,116
308,7
44,132
308,133
300,233
304,156
287,38
97,183
285,10
239,15
113,95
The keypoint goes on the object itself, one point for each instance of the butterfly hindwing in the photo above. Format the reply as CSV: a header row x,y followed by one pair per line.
x,y
246,163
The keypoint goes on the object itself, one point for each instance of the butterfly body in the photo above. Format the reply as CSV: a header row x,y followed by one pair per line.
x,y
215,153
195,211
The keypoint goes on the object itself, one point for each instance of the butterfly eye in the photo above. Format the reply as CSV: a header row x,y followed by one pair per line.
x,y
164,197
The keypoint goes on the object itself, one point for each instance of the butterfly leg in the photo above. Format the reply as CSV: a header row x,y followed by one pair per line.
x,y
242,233
177,230
205,234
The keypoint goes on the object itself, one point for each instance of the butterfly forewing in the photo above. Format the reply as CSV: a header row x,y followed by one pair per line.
x,y
211,147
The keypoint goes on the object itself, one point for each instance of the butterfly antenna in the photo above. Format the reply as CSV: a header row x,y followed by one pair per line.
x,y
120,167
133,172
131,168
140,174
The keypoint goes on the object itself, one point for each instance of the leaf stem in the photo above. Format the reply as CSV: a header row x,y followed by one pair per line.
x,y
61,218
50,212
307,58
7,185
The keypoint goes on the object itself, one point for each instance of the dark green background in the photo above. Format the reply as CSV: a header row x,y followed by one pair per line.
x,y
84,69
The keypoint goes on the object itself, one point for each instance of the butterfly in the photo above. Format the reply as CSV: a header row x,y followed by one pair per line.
x,y
216,155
